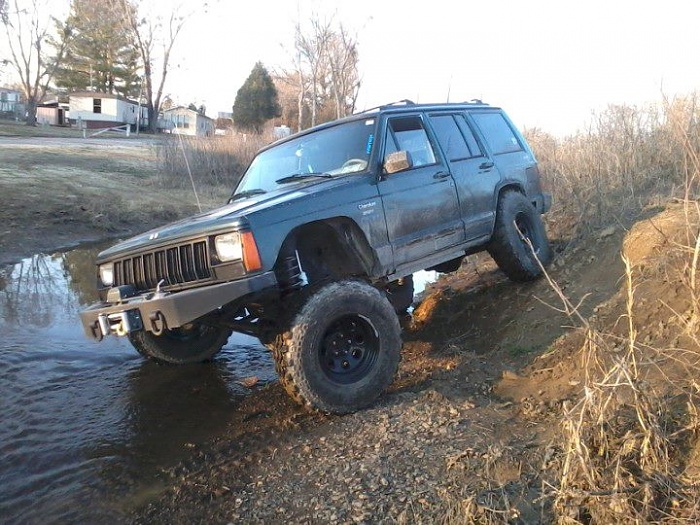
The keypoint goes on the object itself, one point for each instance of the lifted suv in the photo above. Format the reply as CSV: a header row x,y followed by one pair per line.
x,y
315,250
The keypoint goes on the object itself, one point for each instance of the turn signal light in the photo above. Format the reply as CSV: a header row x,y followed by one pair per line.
x,y
251,256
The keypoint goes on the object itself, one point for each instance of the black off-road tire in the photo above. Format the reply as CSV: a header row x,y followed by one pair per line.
x,y
517,220
193,343
342,350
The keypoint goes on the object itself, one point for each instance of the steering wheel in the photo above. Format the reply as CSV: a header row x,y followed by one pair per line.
x,y
358,164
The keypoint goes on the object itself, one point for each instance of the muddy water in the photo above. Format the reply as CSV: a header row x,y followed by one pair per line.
x,y
88,428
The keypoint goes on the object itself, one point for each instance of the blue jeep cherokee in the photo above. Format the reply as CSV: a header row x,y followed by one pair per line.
x,y
315,250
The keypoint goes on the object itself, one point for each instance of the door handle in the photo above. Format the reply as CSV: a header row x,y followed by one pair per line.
x,y
486,165
441,175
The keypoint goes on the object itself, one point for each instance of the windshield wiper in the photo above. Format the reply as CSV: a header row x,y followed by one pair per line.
x,y
245,194
302,176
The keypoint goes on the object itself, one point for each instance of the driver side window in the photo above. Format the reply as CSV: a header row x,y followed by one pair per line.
x,y
408,134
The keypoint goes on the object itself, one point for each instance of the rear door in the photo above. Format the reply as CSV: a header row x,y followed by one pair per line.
x,y
506,146
420,203
475,173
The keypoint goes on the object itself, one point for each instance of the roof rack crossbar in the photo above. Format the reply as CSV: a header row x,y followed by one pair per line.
x,y
404,101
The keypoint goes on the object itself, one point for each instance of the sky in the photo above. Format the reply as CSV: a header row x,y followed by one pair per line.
x,y
550,64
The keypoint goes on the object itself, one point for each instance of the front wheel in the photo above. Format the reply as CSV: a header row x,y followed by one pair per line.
x,y
519,239
191,343
342,350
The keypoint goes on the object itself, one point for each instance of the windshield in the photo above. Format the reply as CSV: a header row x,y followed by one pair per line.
x,y
337,150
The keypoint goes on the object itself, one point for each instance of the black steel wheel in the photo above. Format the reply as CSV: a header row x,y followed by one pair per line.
x,y
349,349
342,350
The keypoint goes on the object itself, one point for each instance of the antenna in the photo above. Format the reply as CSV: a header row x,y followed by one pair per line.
x,y
189,171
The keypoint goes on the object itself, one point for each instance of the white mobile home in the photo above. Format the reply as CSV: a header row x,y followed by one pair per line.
x,y
104,110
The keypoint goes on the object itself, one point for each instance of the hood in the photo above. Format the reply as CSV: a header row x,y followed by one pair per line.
x,y
221,219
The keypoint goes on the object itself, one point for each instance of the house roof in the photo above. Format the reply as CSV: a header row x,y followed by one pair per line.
x,y
98,94
183,108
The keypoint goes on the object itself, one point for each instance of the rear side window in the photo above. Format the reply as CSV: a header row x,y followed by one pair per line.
x,y
497,132
408,134
450,137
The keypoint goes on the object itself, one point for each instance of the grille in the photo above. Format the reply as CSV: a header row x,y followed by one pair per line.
x,y
182,264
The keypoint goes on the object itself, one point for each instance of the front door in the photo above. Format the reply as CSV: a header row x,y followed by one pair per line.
x,y
420,203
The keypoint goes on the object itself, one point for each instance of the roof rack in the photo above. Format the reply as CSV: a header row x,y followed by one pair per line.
x,y
405,101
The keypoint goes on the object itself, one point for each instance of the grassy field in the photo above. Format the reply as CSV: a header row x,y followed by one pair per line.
x,y
11,128
57,191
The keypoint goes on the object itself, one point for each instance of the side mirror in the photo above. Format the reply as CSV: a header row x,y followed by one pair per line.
x,y
398,161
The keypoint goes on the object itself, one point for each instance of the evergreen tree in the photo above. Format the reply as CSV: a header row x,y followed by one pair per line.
x,y
101,54
256,101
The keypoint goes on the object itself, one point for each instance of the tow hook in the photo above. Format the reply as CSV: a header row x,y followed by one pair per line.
x,y
120,323
157,322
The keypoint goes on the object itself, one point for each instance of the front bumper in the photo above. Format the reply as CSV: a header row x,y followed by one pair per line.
x,y
156,311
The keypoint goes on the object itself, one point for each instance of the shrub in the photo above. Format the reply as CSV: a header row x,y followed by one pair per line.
x,y
214,162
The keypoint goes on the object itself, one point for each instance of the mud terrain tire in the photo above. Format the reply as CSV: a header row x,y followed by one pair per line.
x,y
516,215
342,350
193,343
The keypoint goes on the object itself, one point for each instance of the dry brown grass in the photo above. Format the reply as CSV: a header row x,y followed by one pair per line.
x,y
214,162
629,158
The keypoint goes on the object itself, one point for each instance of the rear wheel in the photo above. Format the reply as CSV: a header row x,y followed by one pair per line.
x,y
343,348
191,343
519,238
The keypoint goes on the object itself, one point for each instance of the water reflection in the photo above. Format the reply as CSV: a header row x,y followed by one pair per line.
x,y
33,290
87,422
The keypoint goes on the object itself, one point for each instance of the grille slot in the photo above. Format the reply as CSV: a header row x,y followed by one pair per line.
x,y
186,263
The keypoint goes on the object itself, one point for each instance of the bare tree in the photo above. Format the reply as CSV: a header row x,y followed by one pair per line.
x,y
312,50
325,72
343,61
151,36
29,40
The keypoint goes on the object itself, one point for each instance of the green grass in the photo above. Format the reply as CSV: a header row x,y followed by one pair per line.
x,y
10,128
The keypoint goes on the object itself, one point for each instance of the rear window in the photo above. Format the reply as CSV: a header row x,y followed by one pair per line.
x,y
497,132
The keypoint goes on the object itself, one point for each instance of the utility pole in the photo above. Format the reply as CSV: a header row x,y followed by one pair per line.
x,y
138,113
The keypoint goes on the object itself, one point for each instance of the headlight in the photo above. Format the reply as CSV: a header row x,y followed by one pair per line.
x,y
228,247
107,274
